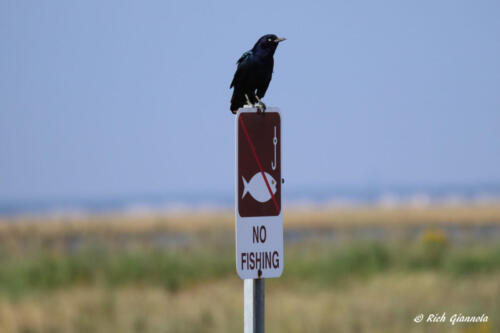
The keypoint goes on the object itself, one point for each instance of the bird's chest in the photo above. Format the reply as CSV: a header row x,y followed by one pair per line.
x,y
262,70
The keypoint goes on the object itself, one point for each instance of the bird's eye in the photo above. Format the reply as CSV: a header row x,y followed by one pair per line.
x,y
269,39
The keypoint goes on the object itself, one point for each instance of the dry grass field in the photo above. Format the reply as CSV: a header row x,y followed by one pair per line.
x,y
322,217
385,303
359,269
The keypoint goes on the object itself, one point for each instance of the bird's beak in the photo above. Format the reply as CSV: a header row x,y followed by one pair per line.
x,y
279,39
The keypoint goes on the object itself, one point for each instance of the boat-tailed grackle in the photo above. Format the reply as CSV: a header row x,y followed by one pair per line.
x,y
253,74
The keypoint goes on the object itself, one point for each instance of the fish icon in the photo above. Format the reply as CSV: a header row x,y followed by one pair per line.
x,y
257,187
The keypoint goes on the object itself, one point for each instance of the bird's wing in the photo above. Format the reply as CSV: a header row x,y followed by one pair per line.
x,y
242,62
244,57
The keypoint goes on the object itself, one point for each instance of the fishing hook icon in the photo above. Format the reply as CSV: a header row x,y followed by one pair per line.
x,y
275,142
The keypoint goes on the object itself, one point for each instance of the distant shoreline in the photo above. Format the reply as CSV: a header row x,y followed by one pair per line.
x,y
296,199
318,216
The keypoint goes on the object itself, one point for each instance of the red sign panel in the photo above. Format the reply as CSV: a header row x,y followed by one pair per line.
x,y
259,164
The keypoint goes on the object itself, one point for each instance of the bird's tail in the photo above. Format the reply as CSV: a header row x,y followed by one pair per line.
x,y
237,101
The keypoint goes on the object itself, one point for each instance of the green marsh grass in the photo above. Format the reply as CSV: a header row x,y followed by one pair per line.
x,y
175,269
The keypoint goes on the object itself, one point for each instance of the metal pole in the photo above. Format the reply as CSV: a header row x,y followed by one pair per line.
x,y
254,301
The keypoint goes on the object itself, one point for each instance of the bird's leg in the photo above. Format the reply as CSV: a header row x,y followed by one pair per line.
x,y
261,104
248,100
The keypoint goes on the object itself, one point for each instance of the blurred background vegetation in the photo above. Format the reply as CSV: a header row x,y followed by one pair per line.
x,y
357,269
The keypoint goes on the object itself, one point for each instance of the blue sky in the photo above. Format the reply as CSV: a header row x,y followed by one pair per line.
x,y
107,98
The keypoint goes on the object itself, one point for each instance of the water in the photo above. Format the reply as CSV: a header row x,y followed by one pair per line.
x,y
298,196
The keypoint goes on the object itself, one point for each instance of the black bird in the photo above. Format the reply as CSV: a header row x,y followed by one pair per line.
x,y
254,72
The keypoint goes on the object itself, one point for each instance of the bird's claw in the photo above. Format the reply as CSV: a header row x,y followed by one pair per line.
x,y
260,105
248,100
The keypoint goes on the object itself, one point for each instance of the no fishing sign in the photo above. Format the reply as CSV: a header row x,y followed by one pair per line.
x,y
259,219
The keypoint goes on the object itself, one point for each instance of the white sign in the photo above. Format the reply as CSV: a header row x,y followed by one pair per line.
x,y
259,218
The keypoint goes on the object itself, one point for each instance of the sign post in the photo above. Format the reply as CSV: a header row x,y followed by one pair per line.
x,y
259,218
254,303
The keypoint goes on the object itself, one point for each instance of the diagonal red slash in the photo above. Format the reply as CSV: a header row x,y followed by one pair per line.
x,y
259,164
